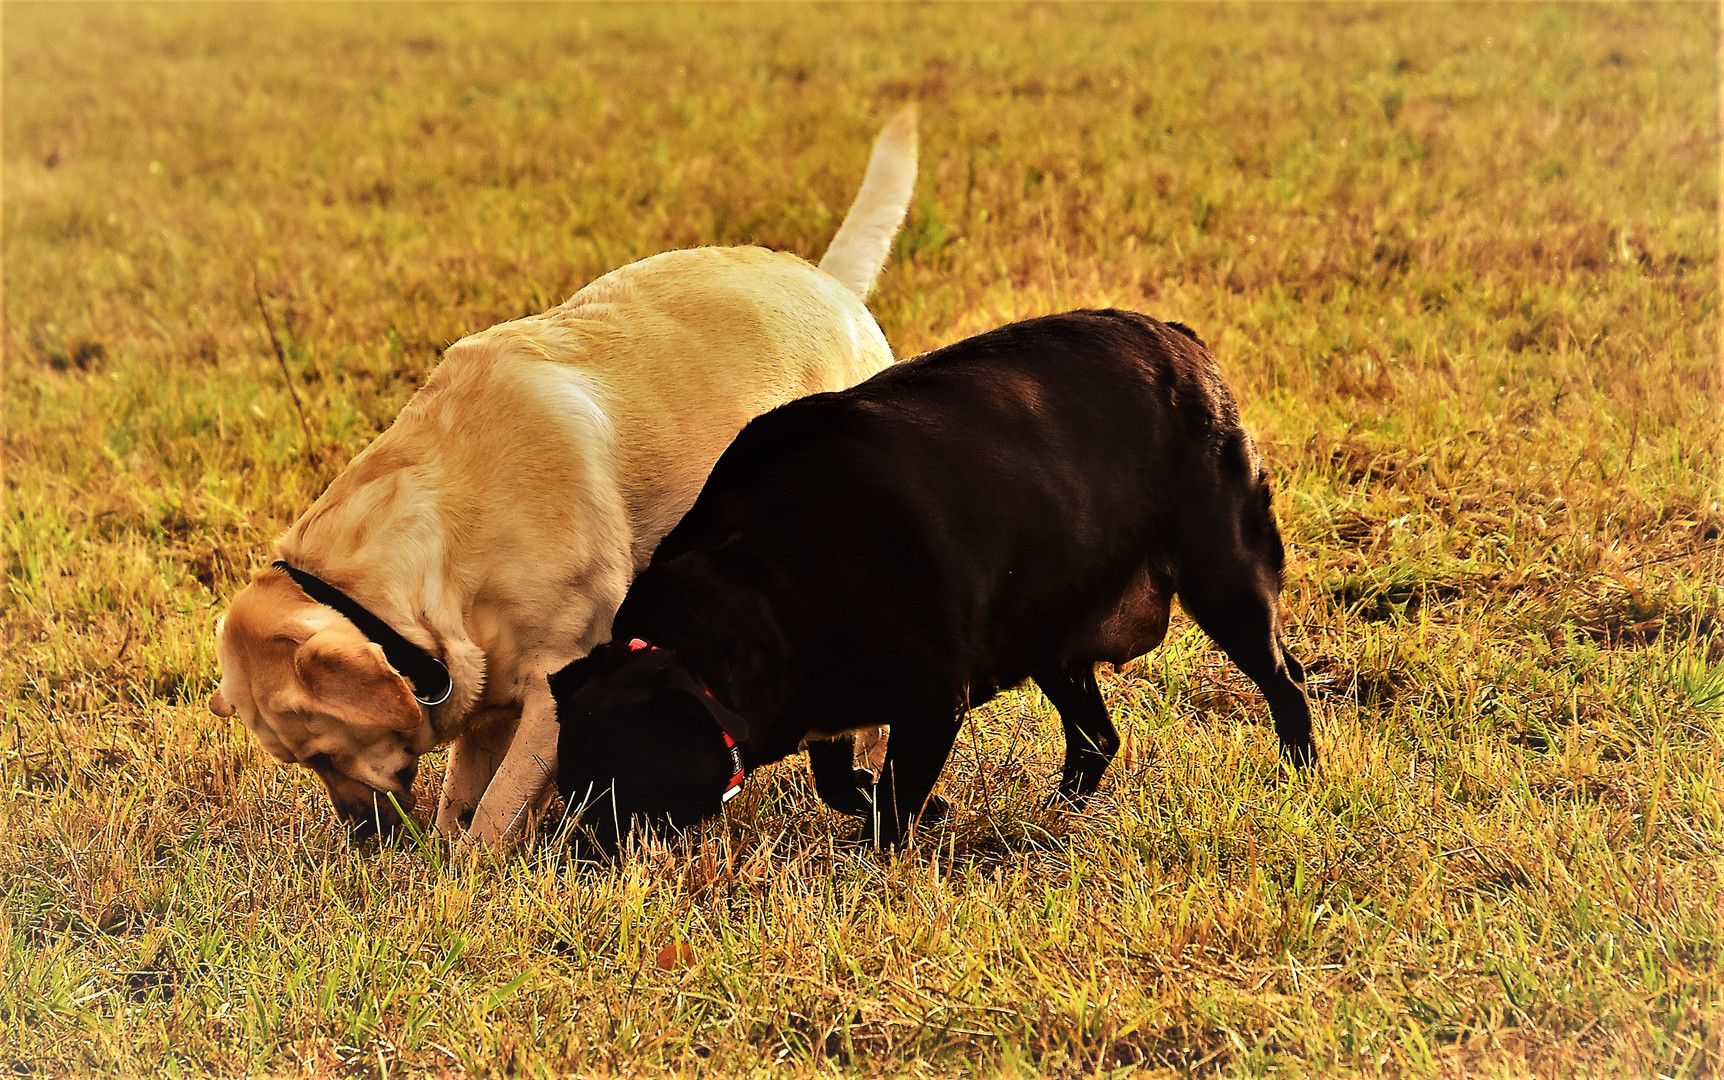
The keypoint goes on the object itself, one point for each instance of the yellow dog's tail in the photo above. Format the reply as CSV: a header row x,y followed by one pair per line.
x,y
865,239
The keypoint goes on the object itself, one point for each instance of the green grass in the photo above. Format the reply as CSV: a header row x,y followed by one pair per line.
x,y
1458,262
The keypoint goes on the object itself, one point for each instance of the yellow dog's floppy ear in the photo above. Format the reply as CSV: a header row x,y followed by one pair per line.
x,y
219,704
350,679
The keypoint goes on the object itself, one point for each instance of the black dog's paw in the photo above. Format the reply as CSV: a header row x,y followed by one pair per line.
x,y
934,812
1302,755
877,833
855,799
1067,801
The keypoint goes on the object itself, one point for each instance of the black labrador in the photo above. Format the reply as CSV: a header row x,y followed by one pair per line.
x,y
1021,504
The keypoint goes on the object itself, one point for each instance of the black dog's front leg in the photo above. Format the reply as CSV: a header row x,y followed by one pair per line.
x,y
915,753
837,781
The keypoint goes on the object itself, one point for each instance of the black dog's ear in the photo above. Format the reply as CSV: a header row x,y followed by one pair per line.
x,y
584,778
658,760
575,674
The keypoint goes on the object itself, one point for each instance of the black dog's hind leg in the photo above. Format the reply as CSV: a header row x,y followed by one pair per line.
x,y
1091,740
837,780
1241,617
915,754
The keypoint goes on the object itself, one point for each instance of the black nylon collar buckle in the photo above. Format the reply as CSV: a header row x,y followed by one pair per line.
x,y
429,676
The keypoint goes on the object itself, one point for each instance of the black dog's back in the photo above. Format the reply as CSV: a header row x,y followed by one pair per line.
x,y
1023,503
1005,492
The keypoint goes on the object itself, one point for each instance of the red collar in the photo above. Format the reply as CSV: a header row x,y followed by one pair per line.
x,y
738,770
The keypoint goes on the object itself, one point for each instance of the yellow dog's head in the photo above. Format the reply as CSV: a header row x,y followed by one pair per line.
x,y
315,691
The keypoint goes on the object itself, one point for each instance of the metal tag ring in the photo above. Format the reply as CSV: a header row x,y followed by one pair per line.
x,y
448,686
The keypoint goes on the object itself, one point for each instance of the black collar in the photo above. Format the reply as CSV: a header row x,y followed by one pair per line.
x,y
430,679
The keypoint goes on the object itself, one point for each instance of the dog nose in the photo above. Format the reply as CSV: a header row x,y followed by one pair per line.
x,y
362,825
374,817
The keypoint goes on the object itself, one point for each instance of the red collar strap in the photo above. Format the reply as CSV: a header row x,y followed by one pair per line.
x,y
739,771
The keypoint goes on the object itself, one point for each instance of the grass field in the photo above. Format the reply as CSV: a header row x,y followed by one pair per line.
x,y
1460,264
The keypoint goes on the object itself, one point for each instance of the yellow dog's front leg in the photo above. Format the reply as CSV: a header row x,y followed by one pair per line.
x,y
528,774
474,758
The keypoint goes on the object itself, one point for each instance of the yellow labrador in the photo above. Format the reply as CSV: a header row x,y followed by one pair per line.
x,y
486,538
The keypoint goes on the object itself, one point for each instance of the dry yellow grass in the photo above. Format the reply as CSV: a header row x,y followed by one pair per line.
x,y
1457,261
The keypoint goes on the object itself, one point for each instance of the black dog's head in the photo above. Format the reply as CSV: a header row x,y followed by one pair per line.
x,y
642,740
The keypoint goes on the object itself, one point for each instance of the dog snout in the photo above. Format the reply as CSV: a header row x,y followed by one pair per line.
x,y
364,809
373,816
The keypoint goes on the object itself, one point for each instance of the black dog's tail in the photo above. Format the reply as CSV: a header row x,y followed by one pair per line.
x,y
1188,332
